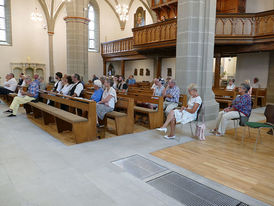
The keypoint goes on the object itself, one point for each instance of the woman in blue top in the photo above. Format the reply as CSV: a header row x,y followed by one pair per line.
x,y
97,95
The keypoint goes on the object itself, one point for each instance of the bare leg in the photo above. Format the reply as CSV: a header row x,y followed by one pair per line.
x,y
172,127
169,118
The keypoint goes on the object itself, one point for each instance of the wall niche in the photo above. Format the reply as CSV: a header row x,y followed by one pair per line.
x,y
28,69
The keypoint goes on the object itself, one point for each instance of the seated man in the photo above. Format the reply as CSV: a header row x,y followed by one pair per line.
x,y
122,86
171,94
240,106
43,85
30,95
21,79
78,86
10,85
36,78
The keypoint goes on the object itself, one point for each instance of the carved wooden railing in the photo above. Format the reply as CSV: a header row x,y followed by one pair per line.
x,y
155,33
230,29
117,46
245,28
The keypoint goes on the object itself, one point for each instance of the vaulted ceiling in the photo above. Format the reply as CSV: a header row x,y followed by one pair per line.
x,y
52,9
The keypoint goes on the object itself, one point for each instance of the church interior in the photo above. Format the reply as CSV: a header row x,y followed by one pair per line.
x,y
136,102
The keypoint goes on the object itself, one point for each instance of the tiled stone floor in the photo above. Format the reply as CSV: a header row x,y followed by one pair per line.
x,y
38,170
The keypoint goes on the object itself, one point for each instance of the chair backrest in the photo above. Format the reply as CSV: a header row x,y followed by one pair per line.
x,y
269,113
198,112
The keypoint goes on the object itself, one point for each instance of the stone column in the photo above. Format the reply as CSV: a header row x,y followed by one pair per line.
x,y
195,49
104,67
217,74
77,37
51,60
123,68
158,64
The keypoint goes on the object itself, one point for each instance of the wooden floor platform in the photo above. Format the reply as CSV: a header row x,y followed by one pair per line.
x,y
226,161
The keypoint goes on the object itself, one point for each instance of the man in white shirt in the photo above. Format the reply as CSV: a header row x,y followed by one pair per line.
x,y
78,86
10,85
256,83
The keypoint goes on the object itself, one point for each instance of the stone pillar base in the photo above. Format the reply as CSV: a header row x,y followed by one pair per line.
x,y
211,109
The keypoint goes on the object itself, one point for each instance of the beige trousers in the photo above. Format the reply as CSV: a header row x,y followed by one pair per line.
x,y
168,106
223,119
17,101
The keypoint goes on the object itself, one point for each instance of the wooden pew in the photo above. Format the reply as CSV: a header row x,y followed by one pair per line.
x,y
182,100
261,95
155,117
224,96
83,128
124,121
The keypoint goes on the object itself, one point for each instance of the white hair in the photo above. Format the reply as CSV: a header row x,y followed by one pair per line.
x,y
193,87
98,83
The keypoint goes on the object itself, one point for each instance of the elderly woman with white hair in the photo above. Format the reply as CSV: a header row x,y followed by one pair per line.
x,y
185,114
97,95
109,99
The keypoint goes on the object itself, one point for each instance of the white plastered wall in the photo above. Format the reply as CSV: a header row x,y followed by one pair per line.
x,y
110,30
254,6
140,64
253,65
29,39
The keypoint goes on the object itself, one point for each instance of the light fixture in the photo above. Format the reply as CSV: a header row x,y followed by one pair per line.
x,y
36,16
122,11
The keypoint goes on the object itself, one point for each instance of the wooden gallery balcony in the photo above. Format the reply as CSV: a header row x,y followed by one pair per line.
x,y
235,33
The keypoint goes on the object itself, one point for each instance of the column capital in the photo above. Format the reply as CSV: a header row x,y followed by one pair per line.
x,y
77,19
50,33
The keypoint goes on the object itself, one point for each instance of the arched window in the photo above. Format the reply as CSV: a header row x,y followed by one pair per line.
x,y
5,34
93,28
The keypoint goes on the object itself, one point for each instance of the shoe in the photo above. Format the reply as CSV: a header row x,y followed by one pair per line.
x,y
167,137
162,129
100,125
213,131
218,134
8,111
270,132
12,115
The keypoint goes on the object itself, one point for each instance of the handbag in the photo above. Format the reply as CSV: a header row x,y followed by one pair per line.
x,y
201,127
243,120
200,131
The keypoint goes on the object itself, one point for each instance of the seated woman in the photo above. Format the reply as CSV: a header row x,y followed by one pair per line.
x,y
185,114
240,106
68,84
97,95
230,85
108,101
158,92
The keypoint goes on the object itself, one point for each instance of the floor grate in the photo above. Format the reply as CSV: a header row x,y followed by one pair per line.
x,y
190,192
140,167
